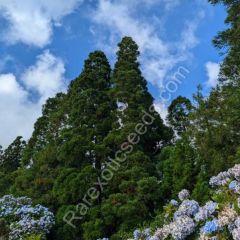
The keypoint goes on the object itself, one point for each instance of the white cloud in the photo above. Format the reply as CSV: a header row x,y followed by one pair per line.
x,y
188,36
162,109
18,112
169,4
213,70
45,76
9,86
31,22
121,18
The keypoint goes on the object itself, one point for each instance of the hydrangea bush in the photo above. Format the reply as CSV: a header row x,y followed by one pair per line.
x,y
219,218
24,220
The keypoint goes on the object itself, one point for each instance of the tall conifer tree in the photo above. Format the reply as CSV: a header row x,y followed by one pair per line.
x,y
90,114
82,148
131,93
133,185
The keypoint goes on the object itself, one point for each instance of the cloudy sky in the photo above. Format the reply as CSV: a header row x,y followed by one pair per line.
x,y
44,44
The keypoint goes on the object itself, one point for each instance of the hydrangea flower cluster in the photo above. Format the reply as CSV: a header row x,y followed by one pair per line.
x,y
210,227
23,219
187,208
174,203
146,234
182,225
224,178
206,211
183,195
213,221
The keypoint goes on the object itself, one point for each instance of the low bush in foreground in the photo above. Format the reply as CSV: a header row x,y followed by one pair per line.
x,y
20,220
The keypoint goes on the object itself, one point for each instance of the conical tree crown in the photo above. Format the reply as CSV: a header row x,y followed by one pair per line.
x,y
95,74
133,99
127,53
127,77
89,90
90,112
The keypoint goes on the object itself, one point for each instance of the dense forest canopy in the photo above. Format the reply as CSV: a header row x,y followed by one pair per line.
x,y
102,160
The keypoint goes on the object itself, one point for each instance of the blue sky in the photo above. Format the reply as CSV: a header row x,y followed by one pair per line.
x,y
44,44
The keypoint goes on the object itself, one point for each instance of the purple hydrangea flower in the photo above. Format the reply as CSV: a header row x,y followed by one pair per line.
x,y
174,203
183,195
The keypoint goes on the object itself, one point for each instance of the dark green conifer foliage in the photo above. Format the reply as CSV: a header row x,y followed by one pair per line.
x,y
228,42
177,165
39,164
11,156
46,128
1,150
82,147
215,128
90,114
9,162
129,85
178,114
131,93
133,185
202,189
